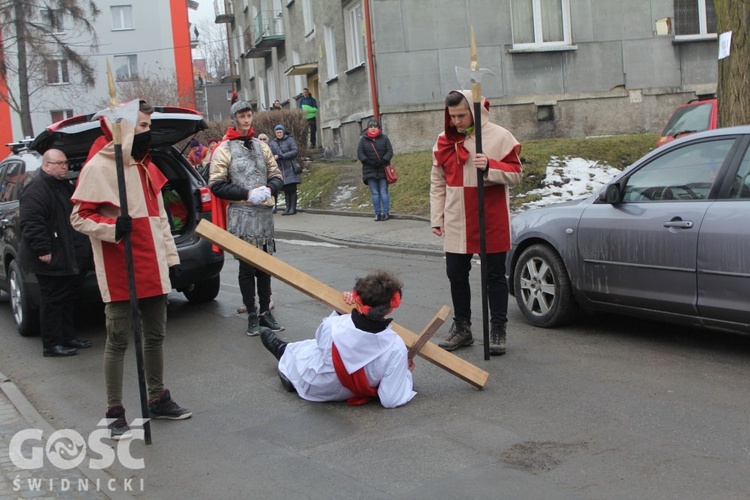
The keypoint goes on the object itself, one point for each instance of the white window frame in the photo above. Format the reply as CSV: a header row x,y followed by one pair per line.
x,y
307,17
539,42
330,41
61,72
119,19
702,24
355,40
54,19
132,66
66,113
284,80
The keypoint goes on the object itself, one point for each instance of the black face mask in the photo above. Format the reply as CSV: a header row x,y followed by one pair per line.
x,y
141,142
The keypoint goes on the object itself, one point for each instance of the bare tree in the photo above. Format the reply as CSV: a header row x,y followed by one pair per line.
x,y
159,89
212,46
41,39
733,89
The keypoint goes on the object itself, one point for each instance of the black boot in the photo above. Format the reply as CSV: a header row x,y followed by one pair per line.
x,y
294,201
287,200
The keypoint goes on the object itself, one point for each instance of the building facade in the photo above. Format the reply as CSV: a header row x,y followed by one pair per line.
x,y
559,67
139,38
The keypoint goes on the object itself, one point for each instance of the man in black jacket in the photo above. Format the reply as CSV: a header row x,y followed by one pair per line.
x,y
54,251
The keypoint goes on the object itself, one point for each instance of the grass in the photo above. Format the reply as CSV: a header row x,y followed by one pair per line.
x,y
322,183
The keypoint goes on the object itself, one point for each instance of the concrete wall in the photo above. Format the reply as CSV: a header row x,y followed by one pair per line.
x,y
618,76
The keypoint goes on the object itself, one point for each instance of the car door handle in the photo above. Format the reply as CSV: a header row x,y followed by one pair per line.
x,y
682,224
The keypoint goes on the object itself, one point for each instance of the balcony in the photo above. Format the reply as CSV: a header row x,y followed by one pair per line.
x,y
223,11
268,28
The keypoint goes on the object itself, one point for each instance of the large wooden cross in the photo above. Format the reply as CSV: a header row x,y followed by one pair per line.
x,y
324,293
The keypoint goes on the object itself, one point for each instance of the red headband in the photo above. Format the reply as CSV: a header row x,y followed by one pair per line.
x,y
365,309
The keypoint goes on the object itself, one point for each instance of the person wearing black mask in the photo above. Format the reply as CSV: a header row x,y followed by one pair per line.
x,y
96,213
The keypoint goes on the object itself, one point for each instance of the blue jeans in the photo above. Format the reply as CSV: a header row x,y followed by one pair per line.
x,y
380,196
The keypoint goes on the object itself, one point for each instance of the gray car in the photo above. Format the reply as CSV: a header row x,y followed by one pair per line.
x,y
664,240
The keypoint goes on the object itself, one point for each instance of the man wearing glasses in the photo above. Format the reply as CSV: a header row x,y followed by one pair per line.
x,y
57,254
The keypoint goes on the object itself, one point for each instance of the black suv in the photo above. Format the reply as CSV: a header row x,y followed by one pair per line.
x,y
186,192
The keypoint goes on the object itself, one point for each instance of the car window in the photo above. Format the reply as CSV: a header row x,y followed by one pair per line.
x,y
690,118
685,173
11,186
741,182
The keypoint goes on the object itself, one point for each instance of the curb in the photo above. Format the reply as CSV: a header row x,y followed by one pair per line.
x,y
35,420
390,247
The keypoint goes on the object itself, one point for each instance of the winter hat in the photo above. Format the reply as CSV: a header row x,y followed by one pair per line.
x,y
194,143
279,127
373,123
239,106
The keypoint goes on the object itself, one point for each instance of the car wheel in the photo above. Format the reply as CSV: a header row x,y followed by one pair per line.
x,y
25,316
542,286
203,291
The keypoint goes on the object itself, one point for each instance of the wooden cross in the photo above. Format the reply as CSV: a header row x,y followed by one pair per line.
x,y
324,293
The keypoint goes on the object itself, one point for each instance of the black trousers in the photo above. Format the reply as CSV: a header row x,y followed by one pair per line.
x,y
458,268
313,124
248,276
57,297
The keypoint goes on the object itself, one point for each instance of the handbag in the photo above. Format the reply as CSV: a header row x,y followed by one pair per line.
x,y
296,167
391,175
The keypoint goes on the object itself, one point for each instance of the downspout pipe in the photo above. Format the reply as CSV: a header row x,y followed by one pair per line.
x,y
371,60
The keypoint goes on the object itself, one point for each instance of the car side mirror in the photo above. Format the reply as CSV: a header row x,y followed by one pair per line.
x,y
611,195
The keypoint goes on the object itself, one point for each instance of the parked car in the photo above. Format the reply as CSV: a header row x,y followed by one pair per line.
x,y
697,115
664,240
201,266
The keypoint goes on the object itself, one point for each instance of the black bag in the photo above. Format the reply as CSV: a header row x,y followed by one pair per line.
x,y
296,167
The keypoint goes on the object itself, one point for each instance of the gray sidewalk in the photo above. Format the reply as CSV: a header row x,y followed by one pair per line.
x,y
408,234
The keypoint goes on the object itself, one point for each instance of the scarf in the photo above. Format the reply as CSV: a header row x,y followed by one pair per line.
x,y
450,148
373,135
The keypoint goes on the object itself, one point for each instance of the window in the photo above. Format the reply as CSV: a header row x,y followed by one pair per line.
x,y
355,38
126,67
57,72
61,114
271,79
52,19
330,41
9,190
683,174
307,16
741,183
694,17
122,17
284,80
540,23
261,92
299,79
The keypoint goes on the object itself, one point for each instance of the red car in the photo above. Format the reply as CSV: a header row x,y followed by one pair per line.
x,y
695,116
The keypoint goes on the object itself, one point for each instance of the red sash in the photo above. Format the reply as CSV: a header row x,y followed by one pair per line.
x,y
355,382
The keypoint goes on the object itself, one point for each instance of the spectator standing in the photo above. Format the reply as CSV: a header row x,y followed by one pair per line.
x,y
197,153
55,252
276,105
96,213
375,152
245,175
284,149
454,211
309,105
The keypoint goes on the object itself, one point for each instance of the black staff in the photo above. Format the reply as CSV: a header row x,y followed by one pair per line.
x,y
135,316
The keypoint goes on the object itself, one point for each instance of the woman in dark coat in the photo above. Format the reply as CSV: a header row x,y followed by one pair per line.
x,y
284,149
375,153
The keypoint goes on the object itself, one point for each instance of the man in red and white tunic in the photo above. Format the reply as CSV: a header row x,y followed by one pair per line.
x,y
96,213
354,357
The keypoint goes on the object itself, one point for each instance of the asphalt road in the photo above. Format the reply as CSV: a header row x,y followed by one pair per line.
x,y
609,408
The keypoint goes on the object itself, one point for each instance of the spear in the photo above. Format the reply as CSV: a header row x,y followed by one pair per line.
x,y
474,77
115,114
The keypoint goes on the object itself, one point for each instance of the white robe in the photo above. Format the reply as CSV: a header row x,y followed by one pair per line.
x,y
309,366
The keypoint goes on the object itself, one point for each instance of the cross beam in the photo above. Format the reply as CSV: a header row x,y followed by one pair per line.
x,y
324,293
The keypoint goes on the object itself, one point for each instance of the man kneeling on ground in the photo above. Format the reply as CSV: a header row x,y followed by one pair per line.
x,y
354,357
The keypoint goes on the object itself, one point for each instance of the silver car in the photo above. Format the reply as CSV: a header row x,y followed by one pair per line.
x,y
664,240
